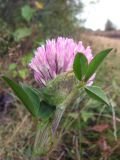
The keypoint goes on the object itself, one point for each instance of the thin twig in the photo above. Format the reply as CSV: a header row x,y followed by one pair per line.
x,y
107,116
114,122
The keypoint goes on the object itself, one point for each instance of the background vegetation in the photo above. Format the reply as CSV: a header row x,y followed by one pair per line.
x,y
24,25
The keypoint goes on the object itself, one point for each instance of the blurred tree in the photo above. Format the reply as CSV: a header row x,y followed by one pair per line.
x,y
109,26
39,19
10,11
58,17
55,17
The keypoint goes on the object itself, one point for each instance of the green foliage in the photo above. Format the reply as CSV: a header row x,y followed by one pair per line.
x,y
86,115
97,93
27,12
43,109
31,100
80,65
26,59
12,66
81,69
57,90
23,73
21,33
12,69
95,63
29,103
45,18
6,38
59,17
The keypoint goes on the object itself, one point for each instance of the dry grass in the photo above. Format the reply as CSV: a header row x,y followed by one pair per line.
x,y
100,43
112,62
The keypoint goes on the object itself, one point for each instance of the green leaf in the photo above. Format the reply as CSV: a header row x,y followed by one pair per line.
x,y
31,100
94,64
43,109
12,66
21,33
97,93
46,110
23,96
27,12
26,59
34,98
80,65
86,115
23,73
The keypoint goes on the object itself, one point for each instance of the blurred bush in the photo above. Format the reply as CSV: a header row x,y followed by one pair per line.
x,y
28,22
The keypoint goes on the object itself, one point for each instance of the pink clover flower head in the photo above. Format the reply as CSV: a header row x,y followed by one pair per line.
x,y
55,57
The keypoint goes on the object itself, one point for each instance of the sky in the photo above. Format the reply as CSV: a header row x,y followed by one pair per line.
x,y
97,14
